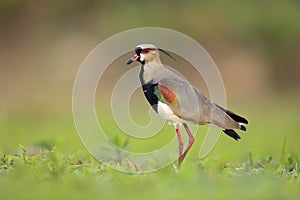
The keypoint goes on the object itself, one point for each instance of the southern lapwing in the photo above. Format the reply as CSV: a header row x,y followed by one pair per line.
x,y
179,102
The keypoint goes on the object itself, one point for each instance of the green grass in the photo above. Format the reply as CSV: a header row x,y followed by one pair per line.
x,y
53,174
51,163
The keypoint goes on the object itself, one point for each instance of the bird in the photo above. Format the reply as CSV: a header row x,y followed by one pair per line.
x,y
179,102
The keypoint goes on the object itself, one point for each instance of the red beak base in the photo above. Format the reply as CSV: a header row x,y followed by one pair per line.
x,y
134,58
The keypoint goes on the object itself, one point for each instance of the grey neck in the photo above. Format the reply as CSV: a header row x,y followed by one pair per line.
x,y
150,72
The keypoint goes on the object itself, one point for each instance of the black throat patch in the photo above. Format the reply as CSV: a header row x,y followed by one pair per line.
x,y
148,90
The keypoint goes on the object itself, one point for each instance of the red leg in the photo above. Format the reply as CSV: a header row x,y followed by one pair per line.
x,y
180,142
191,141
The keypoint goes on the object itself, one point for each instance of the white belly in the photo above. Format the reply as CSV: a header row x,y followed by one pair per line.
x,y
166,113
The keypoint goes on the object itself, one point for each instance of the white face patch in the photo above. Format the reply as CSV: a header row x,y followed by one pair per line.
x,y
142,57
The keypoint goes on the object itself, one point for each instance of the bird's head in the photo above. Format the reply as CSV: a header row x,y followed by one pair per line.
x,y
145,53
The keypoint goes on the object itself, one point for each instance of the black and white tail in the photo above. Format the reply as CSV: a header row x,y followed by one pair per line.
x,y
237,118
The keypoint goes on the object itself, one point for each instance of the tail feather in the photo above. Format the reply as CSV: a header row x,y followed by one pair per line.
x,y
232,134
234,116
242,127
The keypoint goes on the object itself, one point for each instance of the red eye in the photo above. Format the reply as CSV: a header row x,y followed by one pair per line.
x,y
145,51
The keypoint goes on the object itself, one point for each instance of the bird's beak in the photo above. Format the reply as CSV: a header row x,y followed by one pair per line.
x,y
134,58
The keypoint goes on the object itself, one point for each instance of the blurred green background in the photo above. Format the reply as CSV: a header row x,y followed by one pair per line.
x,y
255,44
